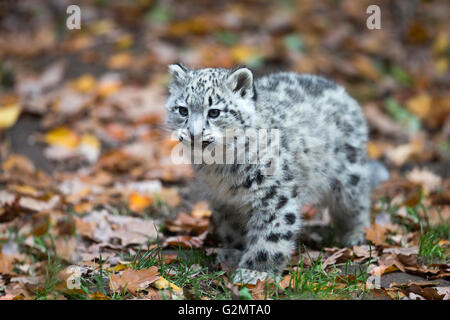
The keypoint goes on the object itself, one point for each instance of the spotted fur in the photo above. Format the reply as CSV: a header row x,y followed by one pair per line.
x,y
322,160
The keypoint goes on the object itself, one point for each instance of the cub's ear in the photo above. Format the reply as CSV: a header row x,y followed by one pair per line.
x,y
178,72
240,81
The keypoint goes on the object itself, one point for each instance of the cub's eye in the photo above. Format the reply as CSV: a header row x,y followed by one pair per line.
x,y
183,111
213,113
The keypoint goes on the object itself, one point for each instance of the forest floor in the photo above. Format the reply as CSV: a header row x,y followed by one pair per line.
x,y
92,207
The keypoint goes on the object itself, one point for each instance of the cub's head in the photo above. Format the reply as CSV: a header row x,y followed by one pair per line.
x,y
204,103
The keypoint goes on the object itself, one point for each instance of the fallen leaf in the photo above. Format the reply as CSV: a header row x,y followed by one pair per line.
x,y
420,105
9,115
6,264
163,284
62,136
429,180
258,292
138,202
341,255
376,234
187,223
134,280
85,83
186,241
120,60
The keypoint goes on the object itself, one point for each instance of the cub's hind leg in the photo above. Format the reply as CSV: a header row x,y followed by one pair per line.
x,y
350,208
229,225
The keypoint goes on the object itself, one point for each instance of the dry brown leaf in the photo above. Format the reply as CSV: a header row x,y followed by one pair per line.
x,y
341,255
133,280
187,223
376,234
426,178
186,241
258,292
6,264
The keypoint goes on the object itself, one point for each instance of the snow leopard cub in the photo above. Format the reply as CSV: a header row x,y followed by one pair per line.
x,y
322,159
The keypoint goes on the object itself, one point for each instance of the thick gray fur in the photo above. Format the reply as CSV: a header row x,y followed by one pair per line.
x,y
322,161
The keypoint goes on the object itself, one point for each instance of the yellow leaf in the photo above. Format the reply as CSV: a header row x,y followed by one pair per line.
x,y
26,190
242,54
9,115
124,41
63,137
138,202
440,45
163,284
120,60
85,83
118,267
374,150
420,105
90,140
102,27
441,65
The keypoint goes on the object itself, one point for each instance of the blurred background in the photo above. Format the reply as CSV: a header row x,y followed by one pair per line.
x,y
82,111
400,73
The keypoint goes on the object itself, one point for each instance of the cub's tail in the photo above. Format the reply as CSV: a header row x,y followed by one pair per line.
x,y
378,173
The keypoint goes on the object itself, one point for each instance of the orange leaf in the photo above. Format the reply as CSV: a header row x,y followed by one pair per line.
x,y
138,202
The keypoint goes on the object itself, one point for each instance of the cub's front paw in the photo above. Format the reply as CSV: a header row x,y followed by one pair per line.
x,y
247,276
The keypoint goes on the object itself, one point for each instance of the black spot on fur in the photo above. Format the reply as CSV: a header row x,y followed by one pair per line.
x,y
259,177
282,202
287,175
351,153
249,263
273,237
314,86
353,179
247,183
290,218
287,236
239,246
271,218
294,193
272,192
261,256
